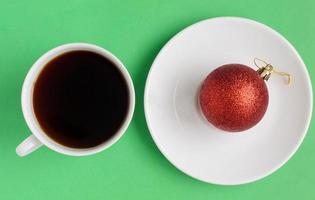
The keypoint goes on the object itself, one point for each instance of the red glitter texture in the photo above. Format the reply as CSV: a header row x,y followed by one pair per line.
x,y
234,97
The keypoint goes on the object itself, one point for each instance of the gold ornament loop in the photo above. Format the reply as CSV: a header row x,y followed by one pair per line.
x,y
266,70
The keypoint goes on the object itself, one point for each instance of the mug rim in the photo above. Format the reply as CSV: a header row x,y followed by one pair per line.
x,y
27,99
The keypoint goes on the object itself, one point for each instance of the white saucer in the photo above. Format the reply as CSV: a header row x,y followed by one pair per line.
x,y
192,144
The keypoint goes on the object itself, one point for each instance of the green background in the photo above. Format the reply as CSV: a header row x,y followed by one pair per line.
x,y
135,31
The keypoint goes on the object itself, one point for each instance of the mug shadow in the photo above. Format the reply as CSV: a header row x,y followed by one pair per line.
x,y
139,116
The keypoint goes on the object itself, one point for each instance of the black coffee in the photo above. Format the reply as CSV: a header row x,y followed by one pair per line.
x,y
80,99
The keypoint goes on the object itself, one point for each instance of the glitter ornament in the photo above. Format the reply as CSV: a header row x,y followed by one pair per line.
x,y
234,97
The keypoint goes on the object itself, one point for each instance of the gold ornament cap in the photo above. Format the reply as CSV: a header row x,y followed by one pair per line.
x,y
267,69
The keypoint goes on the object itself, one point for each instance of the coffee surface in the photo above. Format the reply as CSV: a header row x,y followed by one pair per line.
x,y
80,99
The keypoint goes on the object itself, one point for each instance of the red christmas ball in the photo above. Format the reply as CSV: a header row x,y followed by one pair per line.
x,y
234,97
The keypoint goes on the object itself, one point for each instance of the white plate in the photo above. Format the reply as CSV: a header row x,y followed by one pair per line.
x,y
180,131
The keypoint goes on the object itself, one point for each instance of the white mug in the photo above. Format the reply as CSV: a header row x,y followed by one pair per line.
x,y
38,137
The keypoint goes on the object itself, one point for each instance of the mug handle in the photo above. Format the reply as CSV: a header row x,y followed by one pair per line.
x,y
29,145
